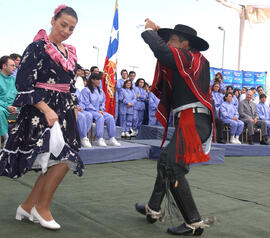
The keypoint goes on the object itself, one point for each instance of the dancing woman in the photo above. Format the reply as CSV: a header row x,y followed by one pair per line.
x,y
45,84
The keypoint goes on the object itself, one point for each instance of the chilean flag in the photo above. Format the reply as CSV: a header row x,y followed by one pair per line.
x,y
109,70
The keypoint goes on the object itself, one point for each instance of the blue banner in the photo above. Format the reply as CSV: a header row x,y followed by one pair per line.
x,y
236,85
227,76
239,79
259,78
248,78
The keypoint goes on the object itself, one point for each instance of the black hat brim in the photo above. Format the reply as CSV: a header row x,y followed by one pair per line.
x,y
194,41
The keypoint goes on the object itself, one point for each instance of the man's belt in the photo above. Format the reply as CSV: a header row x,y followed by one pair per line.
x,y
201,110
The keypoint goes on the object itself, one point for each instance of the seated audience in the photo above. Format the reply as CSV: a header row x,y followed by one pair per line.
x,y
84,120
92,99
237,93
17,60
229,115
248,114
8,93
127,101
263,111
229,89
217,97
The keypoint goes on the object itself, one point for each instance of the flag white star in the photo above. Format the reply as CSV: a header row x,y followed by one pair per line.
x,y
114,34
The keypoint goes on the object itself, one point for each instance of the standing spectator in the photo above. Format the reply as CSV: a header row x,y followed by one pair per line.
x,y
146,112
87,73
92,99
17,60
243,93
249,115
8,93
131,76
254,93
127,101
264,111
229,115
217,97
219,78
260,91
119,86
139,107
153,104
79,84
95,69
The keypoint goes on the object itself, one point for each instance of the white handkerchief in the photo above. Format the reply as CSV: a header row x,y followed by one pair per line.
x,y
57,141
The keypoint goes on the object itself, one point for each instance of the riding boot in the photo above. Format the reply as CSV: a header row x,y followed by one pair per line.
x,y
152,210
182,195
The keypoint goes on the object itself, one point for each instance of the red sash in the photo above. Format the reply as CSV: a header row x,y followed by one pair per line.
x,y
194,69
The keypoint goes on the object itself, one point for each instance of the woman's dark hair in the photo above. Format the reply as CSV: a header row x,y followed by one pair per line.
x,y
216,76
93,68
67,10
237,90
125,83
227,88
137,82
14,56
212,88
262,96
95,76
226,95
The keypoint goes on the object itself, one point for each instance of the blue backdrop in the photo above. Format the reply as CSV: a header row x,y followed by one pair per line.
x,y
239,79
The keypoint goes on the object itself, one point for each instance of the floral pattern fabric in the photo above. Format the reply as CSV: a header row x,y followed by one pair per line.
x,y
30,134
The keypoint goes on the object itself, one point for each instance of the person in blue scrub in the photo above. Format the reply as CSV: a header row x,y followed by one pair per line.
x,y
84,120
219,78
92,99
139,106
132,76
119,86
229,115
127,100
217,97
153,104
95,69
229,89
264,111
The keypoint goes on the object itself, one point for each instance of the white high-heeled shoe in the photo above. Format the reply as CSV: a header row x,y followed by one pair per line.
x,y
52,225
21,214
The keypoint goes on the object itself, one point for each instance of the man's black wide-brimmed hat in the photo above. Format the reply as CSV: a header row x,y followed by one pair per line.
x,y
187,32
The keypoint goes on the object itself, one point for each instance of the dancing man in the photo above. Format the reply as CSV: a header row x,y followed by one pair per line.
x,y
182,84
